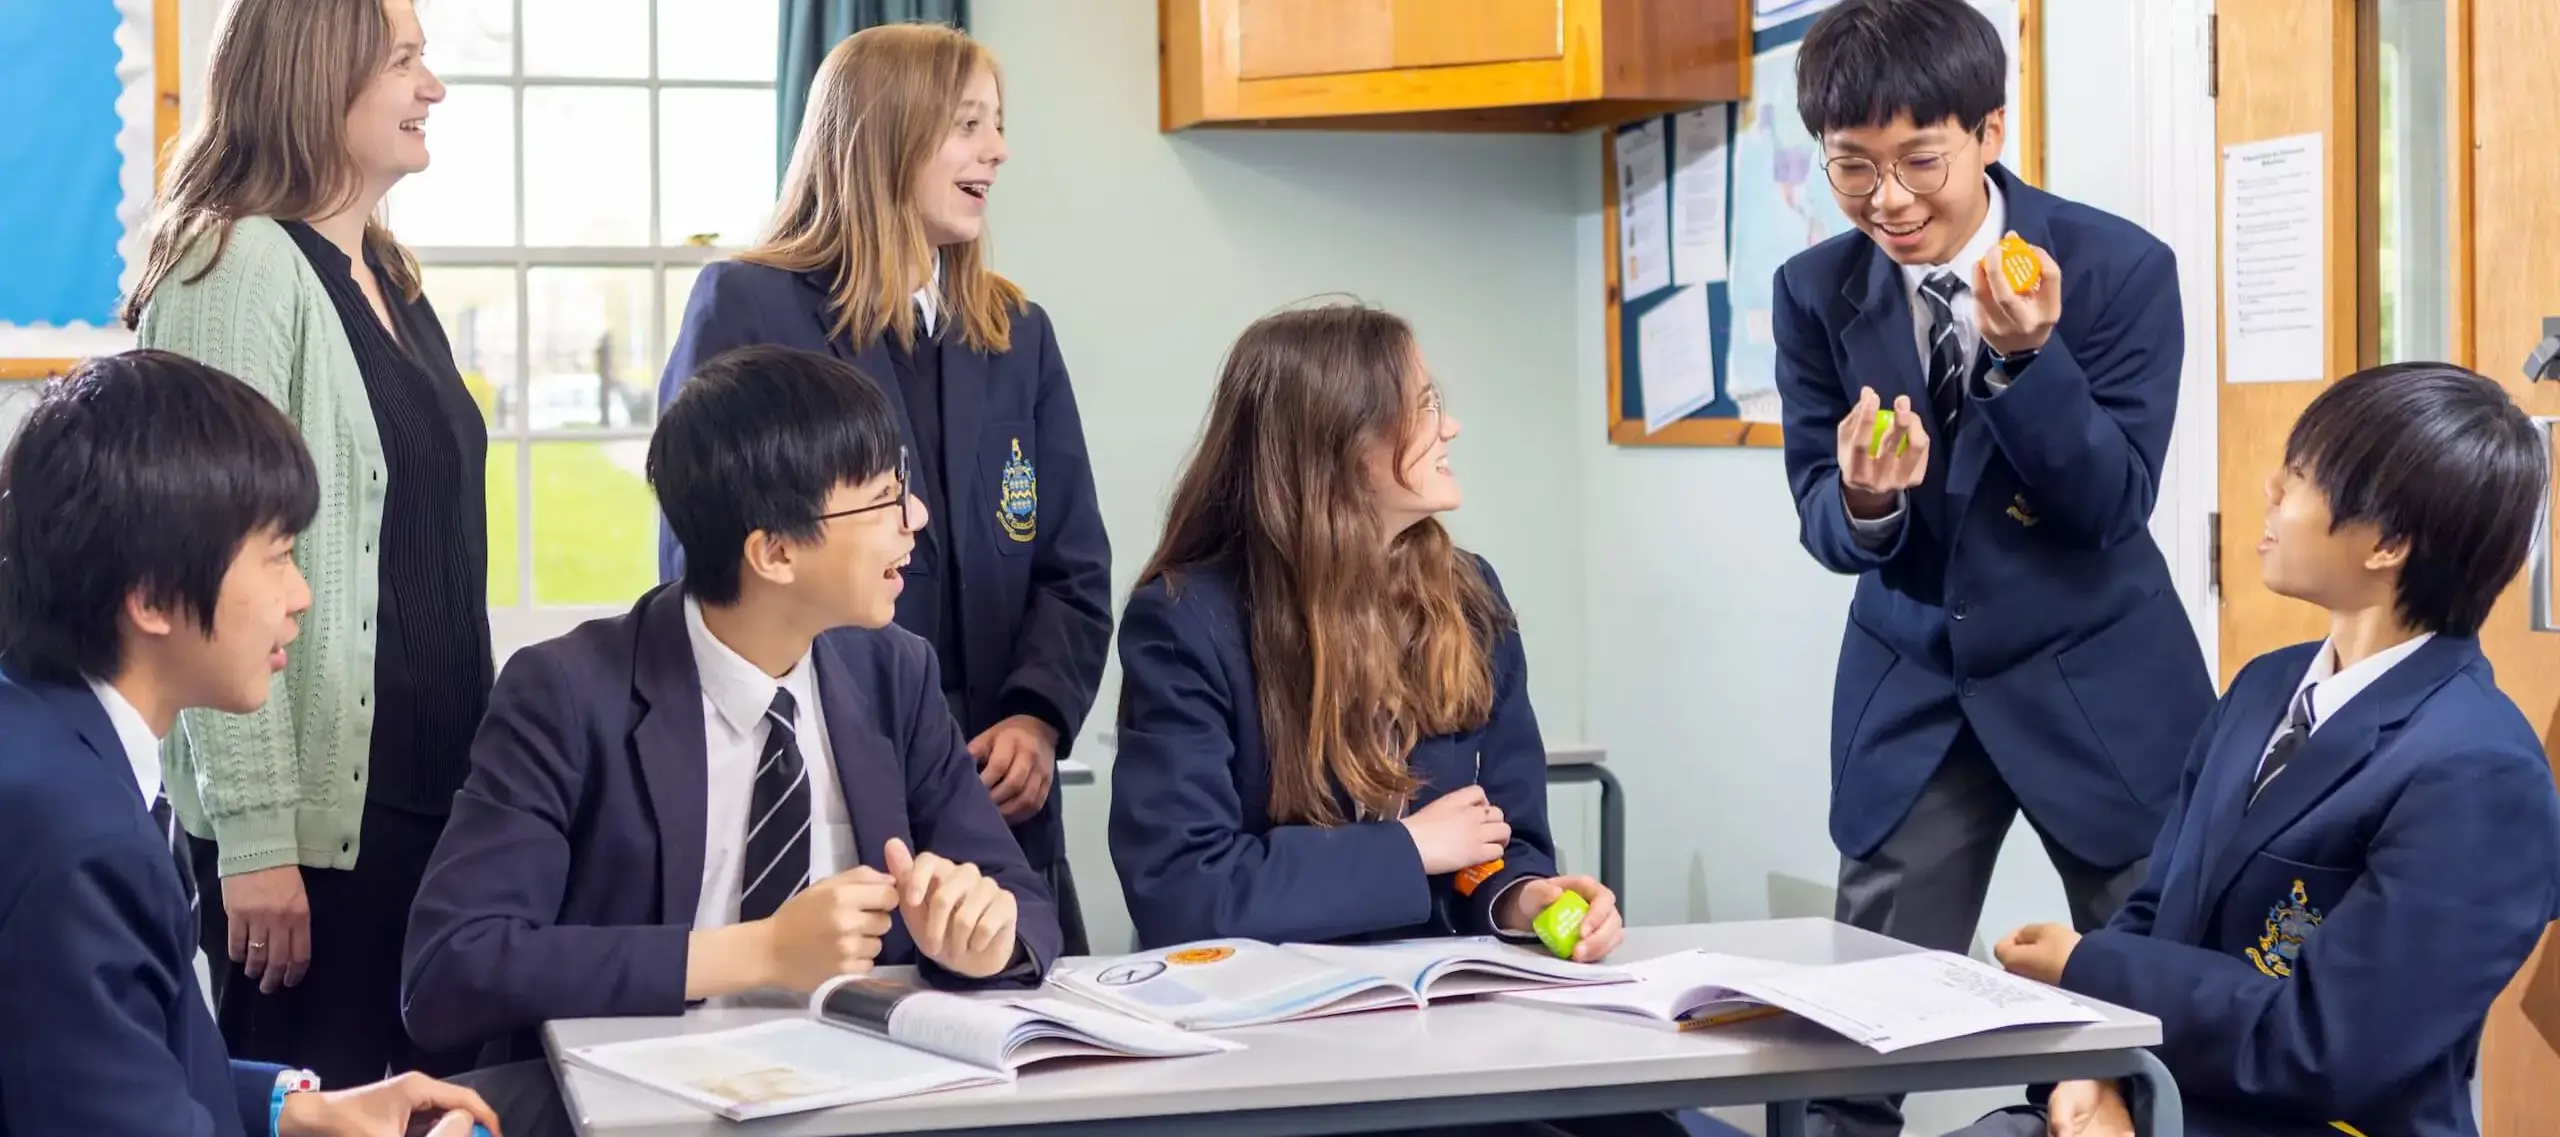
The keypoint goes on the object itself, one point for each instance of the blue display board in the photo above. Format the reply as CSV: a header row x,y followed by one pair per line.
x,y
61,169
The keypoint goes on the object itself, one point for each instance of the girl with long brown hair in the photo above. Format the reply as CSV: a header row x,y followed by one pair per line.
x,y
317,814
1324,703
877,255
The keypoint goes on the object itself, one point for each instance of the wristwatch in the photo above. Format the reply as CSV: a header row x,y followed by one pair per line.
x,y
2011,365
288,1082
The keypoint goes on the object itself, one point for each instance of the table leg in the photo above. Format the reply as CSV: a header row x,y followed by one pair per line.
x,y
2168,1113
1613,822
1786,1119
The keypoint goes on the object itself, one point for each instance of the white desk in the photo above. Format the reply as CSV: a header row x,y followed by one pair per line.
x,y
1459,1063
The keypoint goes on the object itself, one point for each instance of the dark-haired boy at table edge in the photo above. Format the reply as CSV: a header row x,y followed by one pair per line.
x,y
616,849
149,509
2366,844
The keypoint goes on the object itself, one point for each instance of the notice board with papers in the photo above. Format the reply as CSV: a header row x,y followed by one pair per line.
x,y
1698,210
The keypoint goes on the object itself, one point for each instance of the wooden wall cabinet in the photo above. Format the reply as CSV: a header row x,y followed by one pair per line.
x,y
1487,65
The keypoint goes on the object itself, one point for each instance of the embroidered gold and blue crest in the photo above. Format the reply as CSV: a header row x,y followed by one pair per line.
x,y
2020,512
2279,947
1018,498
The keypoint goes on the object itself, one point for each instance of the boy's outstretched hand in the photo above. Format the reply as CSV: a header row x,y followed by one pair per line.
x,y
2038,951
960,918
1872,472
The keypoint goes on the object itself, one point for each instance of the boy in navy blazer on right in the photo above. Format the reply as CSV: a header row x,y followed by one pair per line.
x,y
2366,844
2015,643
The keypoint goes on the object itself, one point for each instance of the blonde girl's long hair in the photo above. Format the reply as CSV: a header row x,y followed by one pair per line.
x,y
883,103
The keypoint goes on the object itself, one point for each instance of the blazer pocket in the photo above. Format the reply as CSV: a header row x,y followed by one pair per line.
x,y
2276,906
2116,679
1864,663
1010,456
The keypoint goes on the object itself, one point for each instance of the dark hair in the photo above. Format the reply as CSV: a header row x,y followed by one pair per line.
x,y
145,470
755,441
2440,458
1867,61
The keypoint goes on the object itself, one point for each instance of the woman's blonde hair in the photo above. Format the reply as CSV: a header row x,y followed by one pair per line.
x,y
273,141
881,107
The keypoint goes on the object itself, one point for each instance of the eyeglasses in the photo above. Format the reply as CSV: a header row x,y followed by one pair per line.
x,y
1923,173
905,501
1431,409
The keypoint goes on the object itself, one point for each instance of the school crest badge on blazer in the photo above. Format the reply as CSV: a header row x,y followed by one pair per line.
x,y
1018,500
2021,512
2279,946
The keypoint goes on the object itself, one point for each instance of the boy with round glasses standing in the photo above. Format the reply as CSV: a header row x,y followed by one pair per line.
x,y
1984,458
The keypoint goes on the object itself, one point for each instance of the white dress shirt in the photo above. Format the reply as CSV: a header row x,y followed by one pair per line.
x,y
735,696
141,747
1995,221
2331,688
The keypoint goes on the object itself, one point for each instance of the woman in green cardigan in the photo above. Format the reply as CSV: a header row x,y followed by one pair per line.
x,y
318,813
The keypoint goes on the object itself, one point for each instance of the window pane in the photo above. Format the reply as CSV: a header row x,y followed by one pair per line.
x,y
588,39
2410,198
478,309
586,166
594,523
470,37
504,569
716,165
591,364
467,194
717,39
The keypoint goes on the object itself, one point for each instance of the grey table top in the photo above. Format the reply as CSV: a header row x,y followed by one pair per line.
x,y
1455,1050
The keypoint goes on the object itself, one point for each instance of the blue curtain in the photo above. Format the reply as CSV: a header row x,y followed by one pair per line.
x,y
811,28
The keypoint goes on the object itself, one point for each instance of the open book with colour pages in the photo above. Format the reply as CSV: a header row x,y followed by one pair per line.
x,y
1883,1004
873,1039
1217,984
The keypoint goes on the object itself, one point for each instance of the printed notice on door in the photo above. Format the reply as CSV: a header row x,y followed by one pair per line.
x,y
2272,284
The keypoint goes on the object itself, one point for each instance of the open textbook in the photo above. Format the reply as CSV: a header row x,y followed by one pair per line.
x,y
1216,984
871,1039
1883,1004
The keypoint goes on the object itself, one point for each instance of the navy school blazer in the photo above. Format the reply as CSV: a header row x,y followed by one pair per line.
x,y
1192,835
2022,594
565,883
103,1031
1035,607
2329,953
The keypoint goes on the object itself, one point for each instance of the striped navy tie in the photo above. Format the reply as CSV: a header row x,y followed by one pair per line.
x,y
777,862
1947,357
175,838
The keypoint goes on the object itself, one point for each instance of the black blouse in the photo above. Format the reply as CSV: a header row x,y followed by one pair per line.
x,y
432,663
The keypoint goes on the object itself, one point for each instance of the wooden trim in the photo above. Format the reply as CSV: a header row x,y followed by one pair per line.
x,y
2365,134
19,370
1612,318
2029,120
2346,164
2460,153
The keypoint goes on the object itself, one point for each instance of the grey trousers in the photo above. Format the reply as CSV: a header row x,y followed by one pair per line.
x,y
1925,885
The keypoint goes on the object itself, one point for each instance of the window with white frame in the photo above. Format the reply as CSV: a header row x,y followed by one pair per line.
x,y
589,157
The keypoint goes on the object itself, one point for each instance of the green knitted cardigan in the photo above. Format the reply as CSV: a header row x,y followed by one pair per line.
x,y
285,785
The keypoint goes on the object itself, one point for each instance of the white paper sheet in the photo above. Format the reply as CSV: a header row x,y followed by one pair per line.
x,y
1675,347
1644,211
2273,299
1701,164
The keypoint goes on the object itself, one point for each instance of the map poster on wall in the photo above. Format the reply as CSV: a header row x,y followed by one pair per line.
x,y
78,142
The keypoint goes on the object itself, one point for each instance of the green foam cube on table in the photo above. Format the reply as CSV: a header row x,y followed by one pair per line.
x,y
1560,926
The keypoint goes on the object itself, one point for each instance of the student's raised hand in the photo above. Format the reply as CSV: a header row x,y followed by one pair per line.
x,y
2010,322
833,927
2038,951
1458,829
385,1109
960,917
1017,759
1870,476
1602,926
2087,1109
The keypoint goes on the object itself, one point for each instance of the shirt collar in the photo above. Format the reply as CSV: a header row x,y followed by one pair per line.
x,y
739,691
141,747
928,297
1995,221
2331,688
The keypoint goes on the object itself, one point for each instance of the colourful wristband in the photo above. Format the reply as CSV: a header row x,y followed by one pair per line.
x,y
287,1082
